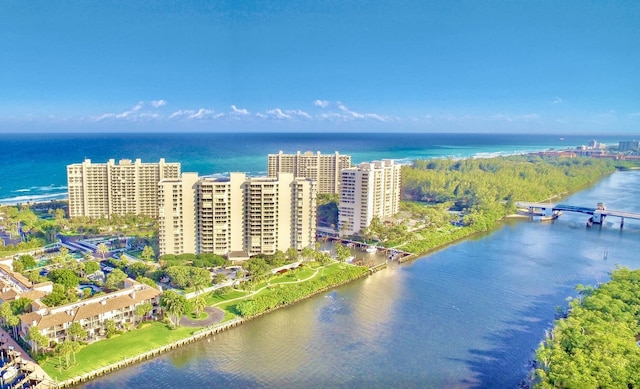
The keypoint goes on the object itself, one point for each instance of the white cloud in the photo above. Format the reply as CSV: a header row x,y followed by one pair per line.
x,y
200,114
278,113
557,100
299,113
131,114
180,113
347,114
321,103
330,111
239,111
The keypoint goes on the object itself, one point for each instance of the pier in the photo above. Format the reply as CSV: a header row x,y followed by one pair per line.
x,y
598,213
391,253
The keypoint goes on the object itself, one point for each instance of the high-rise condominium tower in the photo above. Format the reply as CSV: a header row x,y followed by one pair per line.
x,y
324,168
368,190
103,189
237,216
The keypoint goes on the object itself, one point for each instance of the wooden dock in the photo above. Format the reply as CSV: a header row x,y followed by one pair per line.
x,y
13,355
391,253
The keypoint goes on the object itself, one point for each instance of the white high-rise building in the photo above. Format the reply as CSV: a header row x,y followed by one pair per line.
x,y
237,216
102,189
176,214
371,189
324,168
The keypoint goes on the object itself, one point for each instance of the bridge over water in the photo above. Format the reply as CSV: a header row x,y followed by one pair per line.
x,y
598,213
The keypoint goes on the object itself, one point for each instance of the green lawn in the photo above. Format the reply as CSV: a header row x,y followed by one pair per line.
x,y
105,352
296,275
212,298
157,334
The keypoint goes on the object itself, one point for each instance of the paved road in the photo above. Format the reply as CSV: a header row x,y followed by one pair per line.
x,y
215,316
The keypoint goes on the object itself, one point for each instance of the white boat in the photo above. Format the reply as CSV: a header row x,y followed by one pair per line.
x,y
371,249
9,374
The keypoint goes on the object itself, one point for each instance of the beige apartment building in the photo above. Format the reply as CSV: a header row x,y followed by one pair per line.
x,y
324,168
102,189
92,313
371,189
237,216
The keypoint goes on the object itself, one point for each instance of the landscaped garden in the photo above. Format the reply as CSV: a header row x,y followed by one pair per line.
x,y
278,290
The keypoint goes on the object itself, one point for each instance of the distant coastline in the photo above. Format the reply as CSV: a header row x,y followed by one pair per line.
x,y
37,164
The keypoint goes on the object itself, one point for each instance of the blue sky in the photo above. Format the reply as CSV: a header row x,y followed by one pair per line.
x,y
429,66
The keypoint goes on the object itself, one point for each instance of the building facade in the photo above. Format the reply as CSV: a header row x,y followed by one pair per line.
x,y
628,145
371,189
93,313
176,214
324,168
102,189
238,217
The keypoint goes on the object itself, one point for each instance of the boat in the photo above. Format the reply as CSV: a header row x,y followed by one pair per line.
x,y
371,249
9,374
553,216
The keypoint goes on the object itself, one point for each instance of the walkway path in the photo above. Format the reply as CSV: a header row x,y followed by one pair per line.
x,y
268,285
216,314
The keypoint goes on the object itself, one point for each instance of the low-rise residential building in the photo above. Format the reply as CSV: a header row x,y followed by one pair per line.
x,y
14,286
92,313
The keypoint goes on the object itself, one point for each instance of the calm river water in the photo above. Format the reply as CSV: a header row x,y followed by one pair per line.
x,y
467,316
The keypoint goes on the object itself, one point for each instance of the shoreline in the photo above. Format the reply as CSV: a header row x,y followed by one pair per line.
x,y
235,322
199,334
219,327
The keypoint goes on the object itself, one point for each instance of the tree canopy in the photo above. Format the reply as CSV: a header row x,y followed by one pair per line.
x,y
595,346
485,189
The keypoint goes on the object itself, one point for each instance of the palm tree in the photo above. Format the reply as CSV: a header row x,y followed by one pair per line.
x,y
143,309
14,322
76,331
147,253
5,312
199,283
65,348
102,249
175,305
198,304
37,339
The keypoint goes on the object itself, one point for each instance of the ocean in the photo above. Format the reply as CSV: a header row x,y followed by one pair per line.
x,y
466,316
35,164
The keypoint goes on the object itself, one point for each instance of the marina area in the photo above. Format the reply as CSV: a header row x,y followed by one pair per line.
x,y
18,369
367,254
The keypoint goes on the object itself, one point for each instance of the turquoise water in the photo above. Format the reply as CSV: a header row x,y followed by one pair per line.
x,y
467,316
35,164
